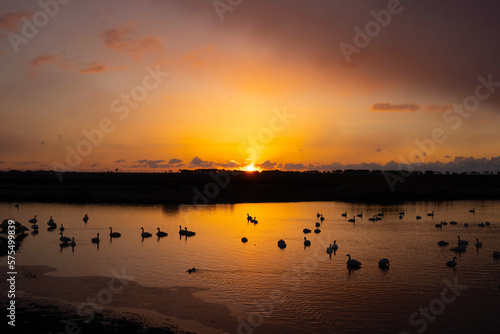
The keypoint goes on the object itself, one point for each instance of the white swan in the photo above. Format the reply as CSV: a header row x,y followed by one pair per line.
x,y
96,240
145,234
160,233
352,262
63,238
452,263
114,234
307,242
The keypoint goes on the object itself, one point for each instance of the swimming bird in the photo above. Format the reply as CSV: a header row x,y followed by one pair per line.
x,y
145,234
431,214
372,219
402,213
61,228
244,239
473,210
51,223
478,243
86,218
63,238
318,215
360,215
317,230
487,223
192,270
462,242
318,224
344,214
249,218
401,216
95,240
352,220
307,242
72,243
329,249
443,243
418,217
254,220
496,254
17,205
306,230
452,263
383,263
322,218
453,222
114,234
281,243
352,263
185,232
160,233
440,225
34,226
33,220
481,225
334,246
466,224
380,214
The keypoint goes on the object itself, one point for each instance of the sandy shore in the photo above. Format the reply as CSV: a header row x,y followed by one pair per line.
x,y
94,304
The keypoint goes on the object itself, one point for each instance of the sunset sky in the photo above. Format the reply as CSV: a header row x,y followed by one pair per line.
x,y
273,84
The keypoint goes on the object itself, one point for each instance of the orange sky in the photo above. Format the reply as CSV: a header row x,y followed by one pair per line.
x,y
230,81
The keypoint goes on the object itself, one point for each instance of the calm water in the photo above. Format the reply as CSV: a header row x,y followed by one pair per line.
x,y
302,287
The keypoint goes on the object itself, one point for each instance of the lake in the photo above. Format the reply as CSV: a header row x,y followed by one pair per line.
x,y
296,286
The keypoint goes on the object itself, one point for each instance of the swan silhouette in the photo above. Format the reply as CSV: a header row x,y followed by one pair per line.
x,y
443,243
281,243
402,213
318,215
61,228
307,242
318,224
63,238
334,246
317,230
185,232
306,230
96,239
322,218
383,263
466,224
244,239
431,214
478,243
114,234
160,233
33,220
459,249
496,254
462,242
352,263
352,220
72,243
418,217
145,234
473,210
51,223
344,214
86,218
360,215
329,249
452,263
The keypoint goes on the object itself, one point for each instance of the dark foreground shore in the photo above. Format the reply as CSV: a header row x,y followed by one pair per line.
x,y
210,186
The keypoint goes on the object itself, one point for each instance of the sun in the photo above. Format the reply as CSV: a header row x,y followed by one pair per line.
x,y
250,168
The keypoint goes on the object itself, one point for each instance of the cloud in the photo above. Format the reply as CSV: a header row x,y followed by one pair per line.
x,y
174,161
45,59
292,166
123,39
378,150
145,163
197,162
22,163
94,165
228,164
394,107
267,165
119,161
3,162
447,157
94,67
10,21
436,107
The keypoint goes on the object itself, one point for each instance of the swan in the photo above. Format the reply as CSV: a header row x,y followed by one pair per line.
x,y
317,230
443,243
352,262
478,243
418,217
145,234
95,240
352,220
114,234
334,246
453,222
244,239
61,228
86,218
307,242
318,215
496,254
63,238
72,243
329,249
466,224
249,217
462,242
306,230
360,215
473,210
380,214
452,263
431,214
318,224
383,263
281,243
344,214
440,225
402,213
33,220
459,249
322,218
192,270
372,219
481,225
400,216
185,232
487,223
254,220
444,223
51,222
160,233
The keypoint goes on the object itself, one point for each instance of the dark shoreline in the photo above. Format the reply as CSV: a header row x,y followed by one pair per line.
x,y
214,187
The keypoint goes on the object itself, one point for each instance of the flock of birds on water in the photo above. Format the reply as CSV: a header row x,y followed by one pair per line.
x,y
351,263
